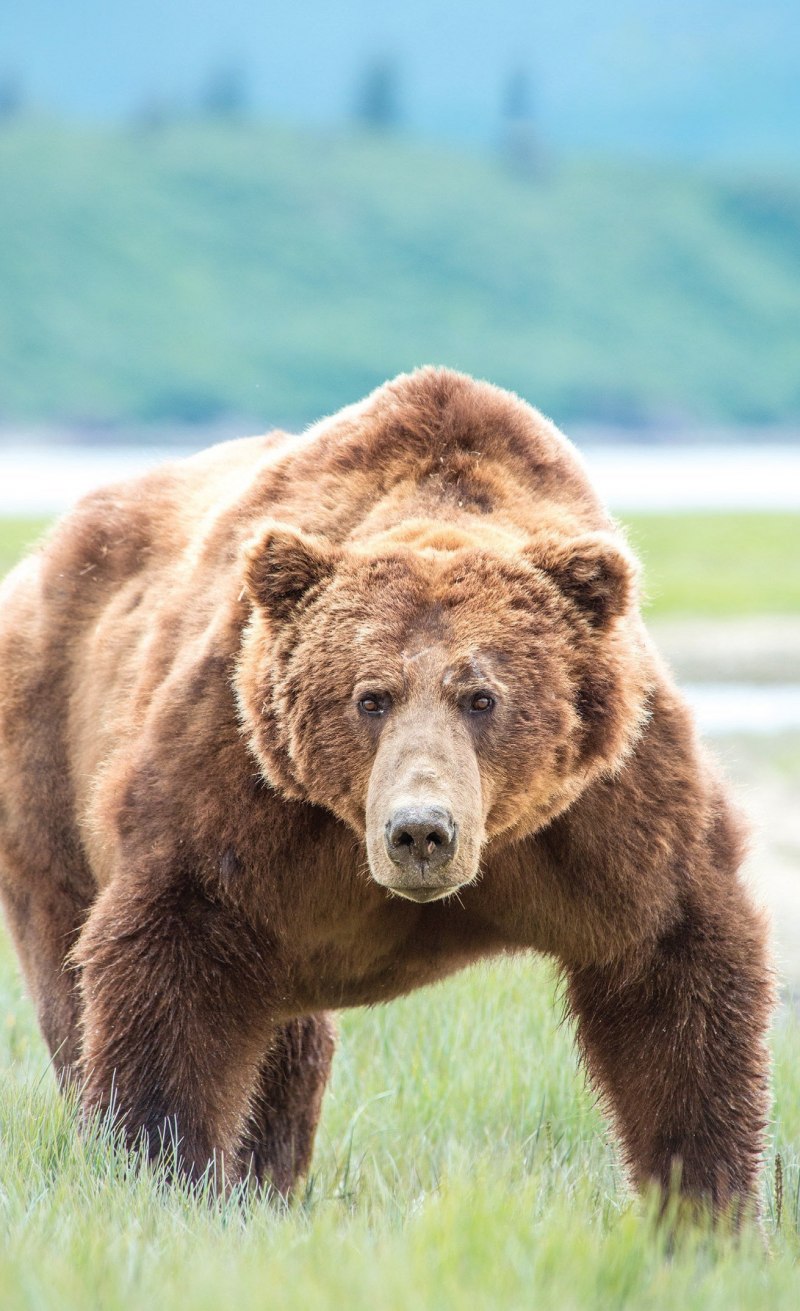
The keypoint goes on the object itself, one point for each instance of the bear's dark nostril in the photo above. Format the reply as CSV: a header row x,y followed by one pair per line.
x,y
424,836
405,839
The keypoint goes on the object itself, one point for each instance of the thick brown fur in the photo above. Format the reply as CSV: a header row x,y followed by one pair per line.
x,y
226,687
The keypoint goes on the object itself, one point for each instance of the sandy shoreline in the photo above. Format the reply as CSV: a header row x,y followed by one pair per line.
x,y
750,649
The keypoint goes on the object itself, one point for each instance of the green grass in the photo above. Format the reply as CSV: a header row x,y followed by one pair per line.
x,y
719,564
16,537
460,1164
695,564
277,274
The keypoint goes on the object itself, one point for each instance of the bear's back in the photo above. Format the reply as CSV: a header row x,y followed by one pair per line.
x,y
94,619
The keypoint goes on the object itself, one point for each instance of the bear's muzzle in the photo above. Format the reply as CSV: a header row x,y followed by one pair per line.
x,y
421,841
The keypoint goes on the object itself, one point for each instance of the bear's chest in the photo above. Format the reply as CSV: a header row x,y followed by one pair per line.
x,y
384,953
342,939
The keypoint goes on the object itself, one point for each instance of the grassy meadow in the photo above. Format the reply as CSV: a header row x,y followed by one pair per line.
x,y
461,1161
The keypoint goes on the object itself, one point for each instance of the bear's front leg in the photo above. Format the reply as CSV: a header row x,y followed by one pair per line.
x,y
175,1022
674,1040
279,1138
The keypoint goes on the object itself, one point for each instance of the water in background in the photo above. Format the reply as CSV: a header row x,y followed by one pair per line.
x,y
39,480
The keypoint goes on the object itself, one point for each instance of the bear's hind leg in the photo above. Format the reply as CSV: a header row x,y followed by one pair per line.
x,y
44,920
279,1139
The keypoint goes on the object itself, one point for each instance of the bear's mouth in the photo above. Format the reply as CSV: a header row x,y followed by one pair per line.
x,y
426,893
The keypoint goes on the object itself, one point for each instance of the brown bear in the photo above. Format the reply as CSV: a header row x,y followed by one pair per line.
x,y
302,723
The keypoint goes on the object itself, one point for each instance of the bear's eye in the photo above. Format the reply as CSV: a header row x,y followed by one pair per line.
x,y
372,704
481,703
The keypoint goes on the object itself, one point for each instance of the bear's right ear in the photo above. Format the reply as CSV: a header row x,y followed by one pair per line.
x,y
283,564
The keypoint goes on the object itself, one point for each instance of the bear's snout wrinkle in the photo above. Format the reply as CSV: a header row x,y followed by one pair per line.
x,y
425,808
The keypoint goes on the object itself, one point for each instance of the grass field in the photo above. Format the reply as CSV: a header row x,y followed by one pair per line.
x,y
718,565
16,537
460,1164
705,564
461,1161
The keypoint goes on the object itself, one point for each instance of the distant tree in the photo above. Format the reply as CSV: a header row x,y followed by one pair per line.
x,y
377,103
11,97
225,93
520,142
153,114
518,96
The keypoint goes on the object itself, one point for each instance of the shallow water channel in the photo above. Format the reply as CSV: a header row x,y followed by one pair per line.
x,y
724,708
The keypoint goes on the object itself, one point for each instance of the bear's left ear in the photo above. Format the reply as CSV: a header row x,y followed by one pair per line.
x,y
282,565
595,572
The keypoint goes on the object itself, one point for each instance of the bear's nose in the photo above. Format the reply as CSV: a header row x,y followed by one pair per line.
x,y
421,836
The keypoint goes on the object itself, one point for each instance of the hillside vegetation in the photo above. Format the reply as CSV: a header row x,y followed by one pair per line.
x,y
203,270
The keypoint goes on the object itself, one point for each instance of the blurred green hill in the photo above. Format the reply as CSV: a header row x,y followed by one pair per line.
x,y
193,271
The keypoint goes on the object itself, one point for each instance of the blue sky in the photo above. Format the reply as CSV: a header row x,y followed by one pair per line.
x,y
699,77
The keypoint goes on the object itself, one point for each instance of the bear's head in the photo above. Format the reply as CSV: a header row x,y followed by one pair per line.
x,y
439,699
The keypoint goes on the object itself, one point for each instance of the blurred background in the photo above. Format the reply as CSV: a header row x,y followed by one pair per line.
x,y
224,217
